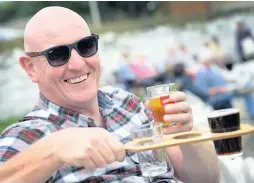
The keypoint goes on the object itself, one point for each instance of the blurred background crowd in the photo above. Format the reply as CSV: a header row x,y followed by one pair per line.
x,y
206,48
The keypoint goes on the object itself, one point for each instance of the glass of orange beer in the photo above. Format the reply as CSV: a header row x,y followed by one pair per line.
x,y
159,96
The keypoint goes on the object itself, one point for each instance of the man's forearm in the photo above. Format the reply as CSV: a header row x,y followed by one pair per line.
x,y
195,163
34,165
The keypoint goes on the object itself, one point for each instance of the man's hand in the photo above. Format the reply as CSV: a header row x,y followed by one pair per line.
x,y
89,147
178,111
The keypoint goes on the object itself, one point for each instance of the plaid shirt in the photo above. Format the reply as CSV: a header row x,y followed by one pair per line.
x,y
121,112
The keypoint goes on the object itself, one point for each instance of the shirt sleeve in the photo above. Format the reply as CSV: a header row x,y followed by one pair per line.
x,y
16,138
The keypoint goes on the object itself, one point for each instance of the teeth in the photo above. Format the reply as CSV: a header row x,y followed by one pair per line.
x,y
76,80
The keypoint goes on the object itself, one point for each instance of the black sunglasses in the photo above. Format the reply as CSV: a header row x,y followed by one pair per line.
x,y
60,55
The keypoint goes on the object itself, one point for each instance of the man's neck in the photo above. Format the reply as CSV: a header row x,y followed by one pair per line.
x,y
93,111
90,109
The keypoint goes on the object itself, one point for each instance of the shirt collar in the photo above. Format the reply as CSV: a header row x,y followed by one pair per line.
x,y
104,100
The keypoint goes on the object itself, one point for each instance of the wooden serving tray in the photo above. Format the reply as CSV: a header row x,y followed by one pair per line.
x,y
182,138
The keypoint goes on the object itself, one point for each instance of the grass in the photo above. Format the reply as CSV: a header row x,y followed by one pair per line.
x,y
5,124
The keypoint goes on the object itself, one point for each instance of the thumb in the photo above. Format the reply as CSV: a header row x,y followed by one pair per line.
x,y
148,105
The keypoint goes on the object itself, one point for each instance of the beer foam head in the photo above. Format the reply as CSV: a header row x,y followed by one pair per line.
x,y
222,112
160,90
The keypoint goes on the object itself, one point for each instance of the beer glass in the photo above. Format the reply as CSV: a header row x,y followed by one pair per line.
x,y
159,96
152,162
226,120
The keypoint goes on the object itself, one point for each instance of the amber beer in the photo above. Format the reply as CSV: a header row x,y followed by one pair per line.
x,y
159,96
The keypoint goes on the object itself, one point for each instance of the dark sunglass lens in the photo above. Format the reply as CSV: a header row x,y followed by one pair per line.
x,y
87,47
58,56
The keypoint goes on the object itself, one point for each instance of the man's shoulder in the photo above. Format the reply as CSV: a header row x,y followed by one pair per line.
x,y
39,125
21,135
115,91
128,110
122,99
110,89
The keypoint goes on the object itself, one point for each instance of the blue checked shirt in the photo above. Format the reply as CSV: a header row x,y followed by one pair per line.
x,y
121,112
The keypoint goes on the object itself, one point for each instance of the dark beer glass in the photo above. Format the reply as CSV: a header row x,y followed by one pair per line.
x,y
226,120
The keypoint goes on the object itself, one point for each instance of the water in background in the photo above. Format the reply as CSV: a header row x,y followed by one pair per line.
x,y
18,94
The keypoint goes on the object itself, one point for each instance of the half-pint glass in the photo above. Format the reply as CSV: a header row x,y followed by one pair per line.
x,y
152,162
226,120
159,96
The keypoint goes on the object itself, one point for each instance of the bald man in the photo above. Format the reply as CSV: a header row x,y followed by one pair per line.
x,y
77,131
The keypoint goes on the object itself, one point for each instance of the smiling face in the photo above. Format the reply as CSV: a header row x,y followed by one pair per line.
x,y
74,83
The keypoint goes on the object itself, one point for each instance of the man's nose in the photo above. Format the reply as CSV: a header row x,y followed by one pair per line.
x,y
76,61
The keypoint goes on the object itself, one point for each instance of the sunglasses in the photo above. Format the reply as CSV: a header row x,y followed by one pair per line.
x,y
60,55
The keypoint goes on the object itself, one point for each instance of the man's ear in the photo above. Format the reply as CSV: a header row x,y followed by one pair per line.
x,y
27,65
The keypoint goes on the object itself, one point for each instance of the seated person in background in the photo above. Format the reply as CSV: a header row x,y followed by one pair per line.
x,y
146,73
210,78
124,73
220,57
171,59
184,81
143,69
77,131
239,85
189,60
186,57
212,82
183,76
181,62
244,42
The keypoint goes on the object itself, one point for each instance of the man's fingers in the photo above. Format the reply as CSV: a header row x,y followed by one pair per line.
x,y
174,97
177,111
177,96
179,107
182,128
117,147
89,164
107,153
97,159
148,105
181,117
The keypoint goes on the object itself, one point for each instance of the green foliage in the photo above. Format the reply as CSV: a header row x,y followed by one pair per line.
x,y
110,10
19,9
11,44
5,124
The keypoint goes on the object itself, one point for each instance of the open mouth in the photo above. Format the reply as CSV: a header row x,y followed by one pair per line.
x,y
77,80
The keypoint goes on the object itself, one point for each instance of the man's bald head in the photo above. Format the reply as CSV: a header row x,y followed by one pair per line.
x,y
49,23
